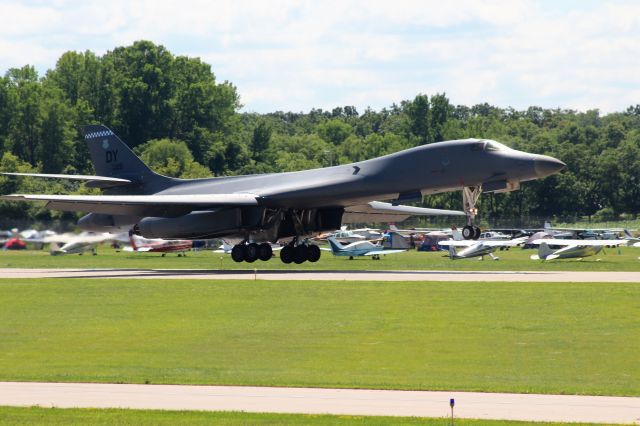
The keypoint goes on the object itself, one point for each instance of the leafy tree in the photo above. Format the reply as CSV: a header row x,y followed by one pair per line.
x,y
334,131
171,158
260,140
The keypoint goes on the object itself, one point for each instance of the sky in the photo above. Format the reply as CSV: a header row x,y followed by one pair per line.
x,y
298,55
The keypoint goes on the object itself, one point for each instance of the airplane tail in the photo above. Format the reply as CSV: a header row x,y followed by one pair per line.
x,y
132,240
452,252
111,157
226,247
335,245
544,252
54,249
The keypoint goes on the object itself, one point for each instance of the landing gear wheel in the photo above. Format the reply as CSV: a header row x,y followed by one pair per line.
x,y
468,232
265,252
237,253
286,254
476,232
251,253
300,254
313,254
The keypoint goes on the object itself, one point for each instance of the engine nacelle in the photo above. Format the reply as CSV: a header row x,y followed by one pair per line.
x,y
98,222
195,225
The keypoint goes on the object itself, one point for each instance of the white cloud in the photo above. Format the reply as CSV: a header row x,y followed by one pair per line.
x,y
298,54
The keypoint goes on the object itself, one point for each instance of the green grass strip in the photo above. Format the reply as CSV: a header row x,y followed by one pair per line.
x,y
516,259
559,338
56,416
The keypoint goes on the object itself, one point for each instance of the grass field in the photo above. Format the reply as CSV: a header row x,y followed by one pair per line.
x,y
55,416
625,259
574,338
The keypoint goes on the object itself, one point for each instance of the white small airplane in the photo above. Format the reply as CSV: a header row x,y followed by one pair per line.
x,y
571,248
359,248
76,243
479,249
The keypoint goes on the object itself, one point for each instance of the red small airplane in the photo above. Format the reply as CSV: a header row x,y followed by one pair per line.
x,y
140,245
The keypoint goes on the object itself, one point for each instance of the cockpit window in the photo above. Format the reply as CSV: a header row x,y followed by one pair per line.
x,y
495,146
477,146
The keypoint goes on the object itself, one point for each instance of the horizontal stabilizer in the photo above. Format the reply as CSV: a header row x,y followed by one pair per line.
x,y
138,205
110,181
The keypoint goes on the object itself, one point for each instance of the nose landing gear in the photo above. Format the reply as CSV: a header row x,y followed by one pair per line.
x,y
470,195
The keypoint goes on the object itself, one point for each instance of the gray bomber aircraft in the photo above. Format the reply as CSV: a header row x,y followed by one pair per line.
x,y
269,207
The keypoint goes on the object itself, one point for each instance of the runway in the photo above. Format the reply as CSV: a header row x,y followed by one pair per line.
x,y
280,275
561,408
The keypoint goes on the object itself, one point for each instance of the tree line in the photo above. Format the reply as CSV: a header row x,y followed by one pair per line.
x,y
174,114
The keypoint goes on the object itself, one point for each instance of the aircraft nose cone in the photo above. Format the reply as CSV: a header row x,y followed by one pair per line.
x,y
545,165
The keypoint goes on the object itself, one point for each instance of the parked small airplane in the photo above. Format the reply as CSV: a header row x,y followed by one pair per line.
x,y
157,245
359,248
587,233
478,248
76,243
571,248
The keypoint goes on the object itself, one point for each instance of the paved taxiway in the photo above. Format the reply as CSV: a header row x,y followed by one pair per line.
x,y
566,408
517,276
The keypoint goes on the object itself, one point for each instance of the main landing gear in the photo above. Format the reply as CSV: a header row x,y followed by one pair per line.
x,y
470,195
299,253
251,252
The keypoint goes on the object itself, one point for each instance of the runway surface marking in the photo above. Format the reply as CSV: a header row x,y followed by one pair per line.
x,y
207,274
560,408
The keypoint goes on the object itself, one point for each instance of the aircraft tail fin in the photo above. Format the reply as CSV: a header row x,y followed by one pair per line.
x,y
335,245
54,249
452,252
226,247
132,240
544,251
456,234
628,234
111,157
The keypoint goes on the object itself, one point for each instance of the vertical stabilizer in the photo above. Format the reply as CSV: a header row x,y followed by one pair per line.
x,y
132,240
110,156
544,251
452,252
336,247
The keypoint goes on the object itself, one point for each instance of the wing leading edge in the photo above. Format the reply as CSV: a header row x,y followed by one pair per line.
x,y
377,211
